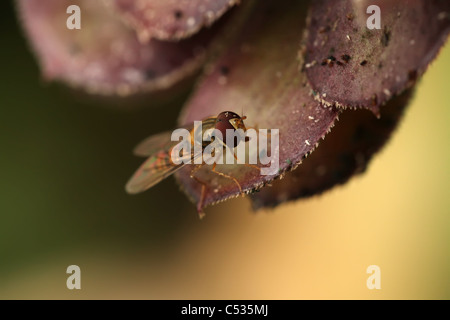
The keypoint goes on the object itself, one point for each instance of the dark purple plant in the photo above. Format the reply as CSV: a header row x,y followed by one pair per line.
x,y
292,65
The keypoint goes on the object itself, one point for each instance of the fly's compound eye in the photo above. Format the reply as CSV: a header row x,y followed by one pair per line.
x,y
230,121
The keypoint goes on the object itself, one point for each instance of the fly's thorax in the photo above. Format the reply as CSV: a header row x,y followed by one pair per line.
x,y
201,133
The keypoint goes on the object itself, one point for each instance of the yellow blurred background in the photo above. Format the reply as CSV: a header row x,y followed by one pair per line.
x,y
65,159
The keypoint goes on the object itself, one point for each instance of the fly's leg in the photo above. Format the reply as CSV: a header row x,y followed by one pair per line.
x,y
228,177
247,164
201,214
251,165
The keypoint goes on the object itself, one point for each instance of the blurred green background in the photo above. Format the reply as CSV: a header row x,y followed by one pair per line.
x,y
65,158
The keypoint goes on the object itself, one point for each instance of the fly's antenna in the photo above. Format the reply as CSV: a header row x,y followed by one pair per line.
x,y
242,115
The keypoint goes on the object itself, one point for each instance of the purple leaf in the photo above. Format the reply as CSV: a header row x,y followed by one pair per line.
x,y
345,151
105,56
351,65
171,19
259,76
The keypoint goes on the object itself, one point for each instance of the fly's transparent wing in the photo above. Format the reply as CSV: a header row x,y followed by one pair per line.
x,y
159,165
154,144
156,168
162,141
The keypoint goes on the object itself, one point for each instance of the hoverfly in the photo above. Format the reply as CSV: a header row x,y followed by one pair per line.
x,y
158,148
